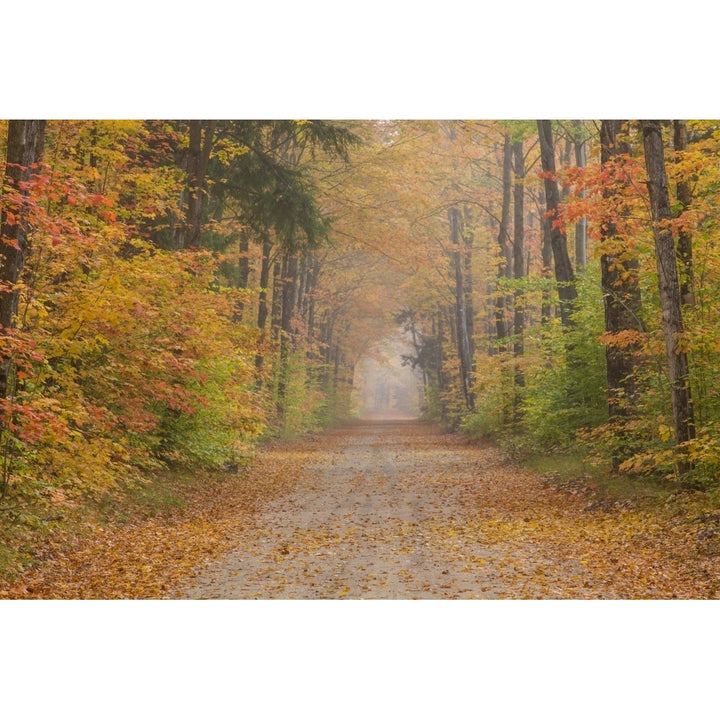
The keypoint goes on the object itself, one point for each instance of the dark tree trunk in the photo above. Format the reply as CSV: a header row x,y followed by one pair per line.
x,y
462,340
290,289
243,274
685,240
547,258
263,301
290,293
518,266
506,265
264,280
668,284
202,133
25,144
277,299
564,274
313,275
621,292
243,261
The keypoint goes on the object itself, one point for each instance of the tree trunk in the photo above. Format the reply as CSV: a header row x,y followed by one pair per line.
x,y
546,255
243,274
264,281
505,266
462,339
25,144
468,240
439,334
668,284
564,274
518,266
198,157
277,299
685,240
314,265
243,261
581,224
290,287
263,301
621,292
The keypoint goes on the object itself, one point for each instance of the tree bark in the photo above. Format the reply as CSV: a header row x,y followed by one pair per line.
x,y
290,288
581,224
277,299
621,292
25,144
468,240
564,274
263,301
547,258
518,266
685,239
243,261
505,267
198,157
462,338
668,284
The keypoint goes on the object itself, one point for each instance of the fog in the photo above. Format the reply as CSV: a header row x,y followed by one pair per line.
x,y
384,388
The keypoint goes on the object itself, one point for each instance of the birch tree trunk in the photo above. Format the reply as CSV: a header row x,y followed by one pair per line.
x,y
581,224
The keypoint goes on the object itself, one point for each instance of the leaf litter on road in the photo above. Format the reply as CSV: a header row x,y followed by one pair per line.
x,y
388,510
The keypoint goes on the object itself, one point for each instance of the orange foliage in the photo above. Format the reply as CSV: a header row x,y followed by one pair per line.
x,y
124,355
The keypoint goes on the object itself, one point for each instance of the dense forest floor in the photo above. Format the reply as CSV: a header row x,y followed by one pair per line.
x,y
385,510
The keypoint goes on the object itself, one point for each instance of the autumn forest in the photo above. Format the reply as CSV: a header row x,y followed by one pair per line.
x,y
178,295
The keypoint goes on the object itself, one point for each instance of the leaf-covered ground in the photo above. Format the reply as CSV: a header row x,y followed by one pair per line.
x,y
146,554
390,510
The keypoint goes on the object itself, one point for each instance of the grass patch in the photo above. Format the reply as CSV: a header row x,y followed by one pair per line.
x,y
159,494
598,481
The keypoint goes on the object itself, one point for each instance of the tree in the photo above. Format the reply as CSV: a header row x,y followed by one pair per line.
x,y
580,143
201,137
505,265
25,142
462,313
564,274
668,284
621,291
518,263
684,200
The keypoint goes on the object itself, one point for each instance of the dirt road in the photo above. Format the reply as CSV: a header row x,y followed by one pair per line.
x,y
398,510
387,510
